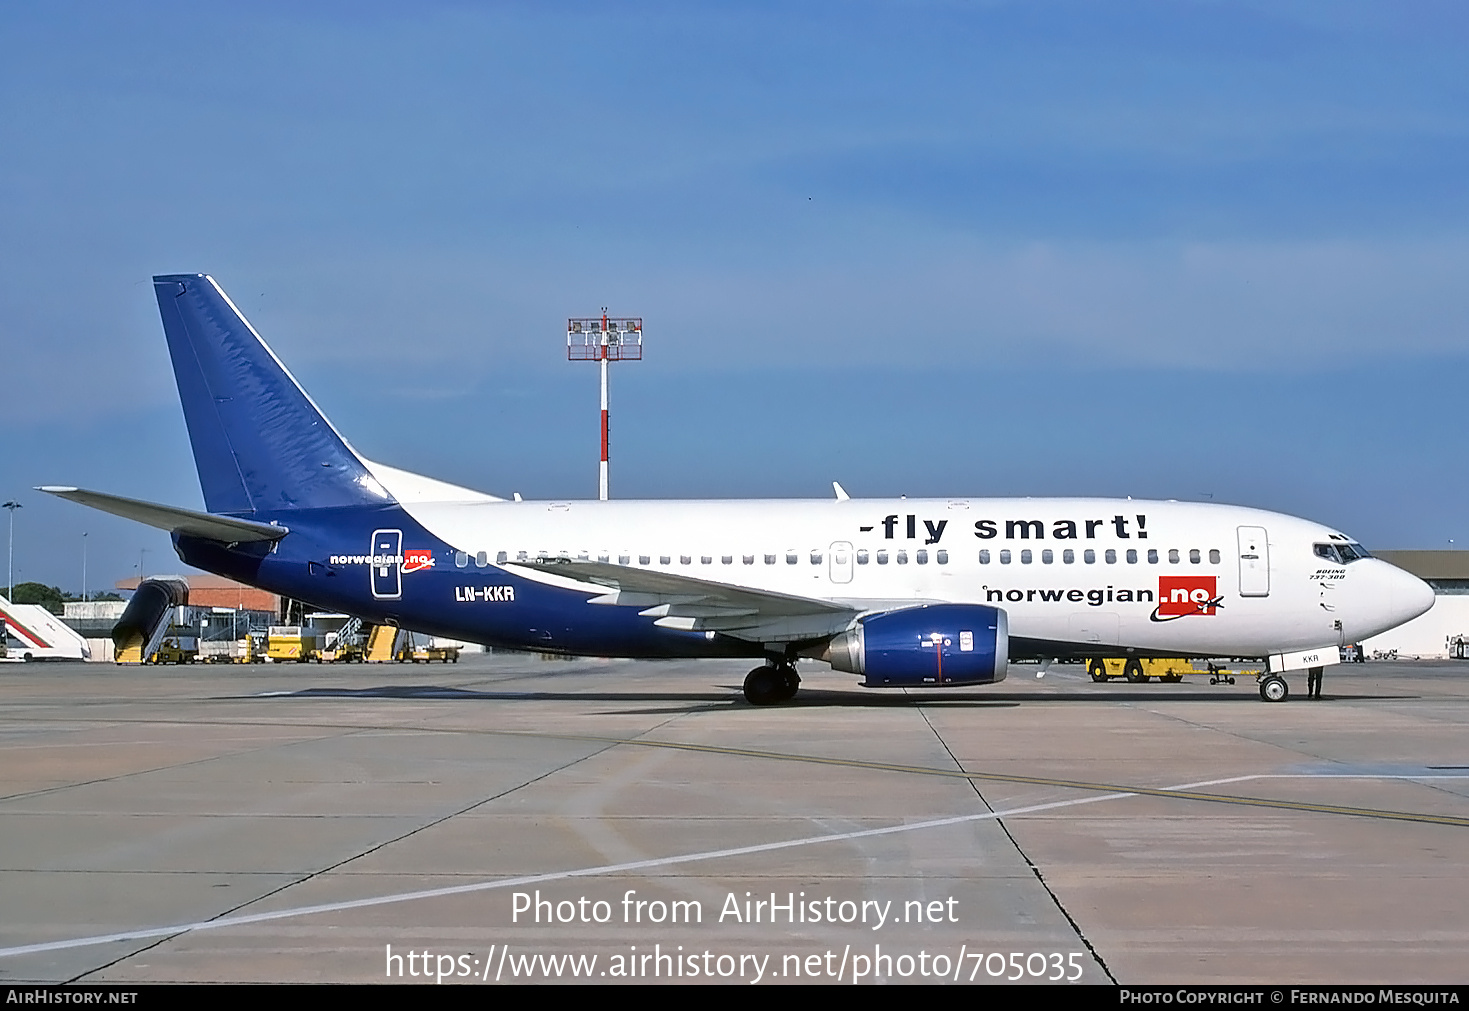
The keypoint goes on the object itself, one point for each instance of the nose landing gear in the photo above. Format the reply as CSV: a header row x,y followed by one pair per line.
x,y
772,683
1274,689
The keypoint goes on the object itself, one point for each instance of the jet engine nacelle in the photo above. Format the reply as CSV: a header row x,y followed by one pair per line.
x,y
936,644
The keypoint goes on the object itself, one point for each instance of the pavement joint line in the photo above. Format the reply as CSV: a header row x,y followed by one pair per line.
x,y
684,858
145,933
1184,792
1040,878
302,879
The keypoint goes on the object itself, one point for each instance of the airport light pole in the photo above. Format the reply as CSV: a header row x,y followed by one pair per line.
x,y
604,339
10,565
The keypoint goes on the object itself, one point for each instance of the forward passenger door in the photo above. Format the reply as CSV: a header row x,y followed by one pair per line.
x,y
1254,562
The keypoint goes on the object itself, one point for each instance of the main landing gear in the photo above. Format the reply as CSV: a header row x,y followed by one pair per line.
x,y
765,686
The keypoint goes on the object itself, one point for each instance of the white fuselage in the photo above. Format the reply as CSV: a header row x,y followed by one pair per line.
x,y
1150,575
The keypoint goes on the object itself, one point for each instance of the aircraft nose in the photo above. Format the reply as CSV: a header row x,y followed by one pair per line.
x,y
1408,596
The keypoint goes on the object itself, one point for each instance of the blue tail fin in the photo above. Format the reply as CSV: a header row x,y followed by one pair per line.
x,y
260,444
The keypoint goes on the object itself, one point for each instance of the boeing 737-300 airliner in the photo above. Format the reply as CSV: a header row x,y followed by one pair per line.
x,y
904,593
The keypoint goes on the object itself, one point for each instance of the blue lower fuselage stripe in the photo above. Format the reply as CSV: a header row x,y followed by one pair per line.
x,y
328,560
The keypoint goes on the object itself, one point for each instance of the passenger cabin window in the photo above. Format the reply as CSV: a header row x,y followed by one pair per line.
x,y
1173,556
644,559
747,559
1132,556
1152,556
461,559
726,559
1004,556
1111,557
861,556
882,558
706,559
481,559
769,559
984,556
792,558
664,560
501,558
1048,556
1213,556
1068,556
816,558
943,557
1024,556
921,556
1089,556
1194,557
685,559
902,558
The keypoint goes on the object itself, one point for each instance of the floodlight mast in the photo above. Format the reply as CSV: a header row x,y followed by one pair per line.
x,y
604,339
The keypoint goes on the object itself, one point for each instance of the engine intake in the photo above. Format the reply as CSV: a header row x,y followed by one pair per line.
x,y
935,644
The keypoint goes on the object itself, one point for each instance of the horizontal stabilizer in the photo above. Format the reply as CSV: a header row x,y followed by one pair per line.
x,y
171,518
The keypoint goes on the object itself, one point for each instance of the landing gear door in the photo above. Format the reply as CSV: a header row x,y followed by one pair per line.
x,y
841,562
387,573
1254,562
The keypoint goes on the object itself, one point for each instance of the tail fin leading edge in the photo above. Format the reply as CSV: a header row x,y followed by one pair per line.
x,y
259,442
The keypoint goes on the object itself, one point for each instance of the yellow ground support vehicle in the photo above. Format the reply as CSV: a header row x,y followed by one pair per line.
x,y
169,651
247,649
1172,669
1138,670
291,643
346,653
430,654
380,640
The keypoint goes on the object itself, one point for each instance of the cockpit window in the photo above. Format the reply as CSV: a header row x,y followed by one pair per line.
x,y
1347,551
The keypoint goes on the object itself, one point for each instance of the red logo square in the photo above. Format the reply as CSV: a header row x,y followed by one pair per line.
x,y
1180,595
417,558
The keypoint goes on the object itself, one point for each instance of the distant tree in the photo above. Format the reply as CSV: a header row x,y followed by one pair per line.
x,y
49,597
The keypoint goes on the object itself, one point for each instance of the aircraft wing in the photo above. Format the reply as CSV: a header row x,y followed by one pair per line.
x,y
171,518
701,605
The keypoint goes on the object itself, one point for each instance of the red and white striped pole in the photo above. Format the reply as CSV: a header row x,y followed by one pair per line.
x,y
604,339
603,481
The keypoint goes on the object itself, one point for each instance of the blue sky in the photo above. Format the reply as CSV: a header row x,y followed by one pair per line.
x,y
1179,250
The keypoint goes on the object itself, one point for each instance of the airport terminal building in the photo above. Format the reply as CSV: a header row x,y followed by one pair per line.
x,y
1442,632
